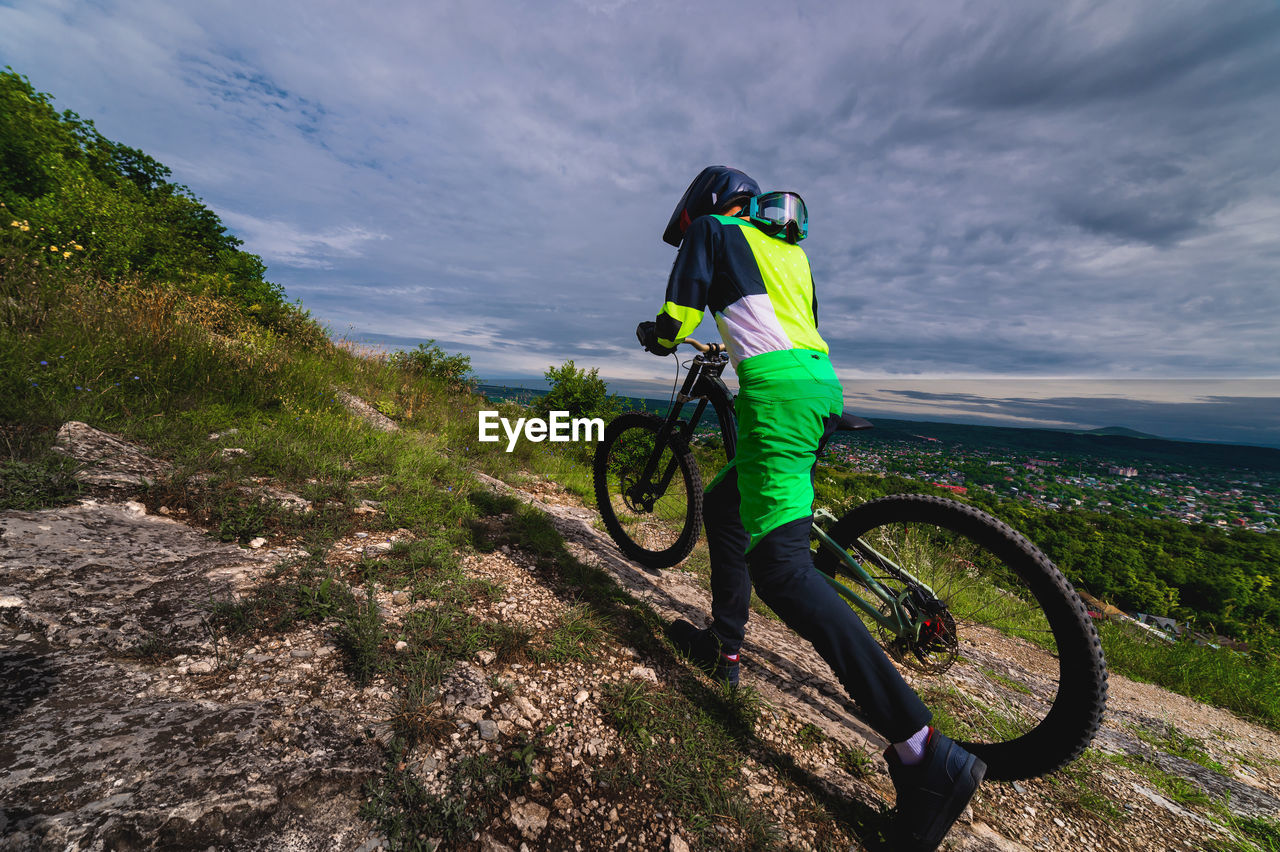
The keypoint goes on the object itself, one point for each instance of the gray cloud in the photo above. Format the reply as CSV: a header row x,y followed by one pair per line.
x,y
1235,419
1048,58
1030,189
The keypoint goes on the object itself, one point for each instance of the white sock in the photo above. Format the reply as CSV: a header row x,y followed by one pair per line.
x,y
911,751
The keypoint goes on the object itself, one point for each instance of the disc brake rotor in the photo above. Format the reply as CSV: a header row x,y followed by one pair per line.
x,y
937,644
638,503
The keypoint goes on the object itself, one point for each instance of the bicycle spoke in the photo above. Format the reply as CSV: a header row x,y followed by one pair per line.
x,y
1002,650
648,502
979,592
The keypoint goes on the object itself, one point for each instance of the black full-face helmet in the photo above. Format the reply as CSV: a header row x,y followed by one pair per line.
x,y
710,191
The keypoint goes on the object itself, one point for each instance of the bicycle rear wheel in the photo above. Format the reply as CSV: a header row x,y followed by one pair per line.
x,y
654,520
1006,656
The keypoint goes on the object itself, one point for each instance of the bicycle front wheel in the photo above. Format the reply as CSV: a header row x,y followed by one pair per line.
x,y
649,496
1002,650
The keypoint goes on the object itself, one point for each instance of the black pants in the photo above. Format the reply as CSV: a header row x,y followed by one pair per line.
x,y
782,570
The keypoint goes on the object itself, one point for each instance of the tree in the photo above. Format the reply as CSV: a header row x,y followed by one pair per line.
x,y
118,205
431,361
579,392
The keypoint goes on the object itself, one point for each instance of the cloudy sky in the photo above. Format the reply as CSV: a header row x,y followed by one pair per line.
x,y
1042,212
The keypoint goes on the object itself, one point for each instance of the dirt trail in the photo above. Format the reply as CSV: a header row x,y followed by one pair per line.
x,y
1037,814
126,722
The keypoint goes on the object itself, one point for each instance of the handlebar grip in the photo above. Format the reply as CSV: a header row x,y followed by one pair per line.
x,y
701,347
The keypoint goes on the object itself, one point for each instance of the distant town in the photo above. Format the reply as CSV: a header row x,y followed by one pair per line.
x,y
1210,484
1239,499
1219,485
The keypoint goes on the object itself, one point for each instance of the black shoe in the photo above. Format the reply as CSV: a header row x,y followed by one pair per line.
x,y
931,794
703,648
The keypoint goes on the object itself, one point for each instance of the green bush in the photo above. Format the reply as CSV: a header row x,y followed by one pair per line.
x,y
582,393
112,212
431,361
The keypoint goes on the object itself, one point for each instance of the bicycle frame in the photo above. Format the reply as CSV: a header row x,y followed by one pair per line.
x,y
898,620
703,383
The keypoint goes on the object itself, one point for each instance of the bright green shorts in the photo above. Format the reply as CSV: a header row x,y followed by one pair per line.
x,y
784,400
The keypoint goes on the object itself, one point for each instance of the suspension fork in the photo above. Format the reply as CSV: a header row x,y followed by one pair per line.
x,y
673,423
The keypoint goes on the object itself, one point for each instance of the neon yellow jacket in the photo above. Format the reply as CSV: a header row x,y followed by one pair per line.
x,y
759,288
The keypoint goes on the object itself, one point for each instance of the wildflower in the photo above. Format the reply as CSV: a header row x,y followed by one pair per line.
x,y
15,224
77,247
79,388
66,254
44,363
24,227
135,378
53,248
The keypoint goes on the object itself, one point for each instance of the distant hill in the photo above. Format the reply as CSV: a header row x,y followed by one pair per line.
x,y
1118,443
1113,443
1123,431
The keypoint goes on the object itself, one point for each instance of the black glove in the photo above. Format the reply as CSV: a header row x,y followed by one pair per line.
x,y
647,334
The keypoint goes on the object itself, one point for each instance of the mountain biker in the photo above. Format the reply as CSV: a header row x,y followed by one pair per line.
x,y
739,254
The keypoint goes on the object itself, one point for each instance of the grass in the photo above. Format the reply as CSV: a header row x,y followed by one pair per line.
x,y
1005,681
414,819
1217,676
1169,739
1076,788
576,635
810,735
686,755
360,637
1177,789
854,761
965,717
166,368
295,591
1252,834
38,482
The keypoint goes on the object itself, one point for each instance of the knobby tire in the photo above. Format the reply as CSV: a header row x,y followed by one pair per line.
x,y
665,536
1038,601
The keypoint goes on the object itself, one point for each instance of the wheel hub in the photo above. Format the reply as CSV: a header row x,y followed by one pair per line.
x,y
935,645
636,497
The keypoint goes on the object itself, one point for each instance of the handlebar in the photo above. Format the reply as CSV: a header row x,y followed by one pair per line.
x,y
704,348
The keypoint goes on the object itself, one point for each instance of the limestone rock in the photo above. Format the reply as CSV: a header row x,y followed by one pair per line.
x,y
466,686
287,500
101,748
367,412
529,818
109,460
488,844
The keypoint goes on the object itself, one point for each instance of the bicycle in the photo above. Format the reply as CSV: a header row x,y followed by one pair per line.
x,y
950,589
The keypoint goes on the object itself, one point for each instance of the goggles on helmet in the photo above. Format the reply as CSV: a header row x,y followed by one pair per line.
x,y
778,212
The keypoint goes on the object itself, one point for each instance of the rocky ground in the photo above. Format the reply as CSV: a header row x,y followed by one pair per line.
x,y
126,721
